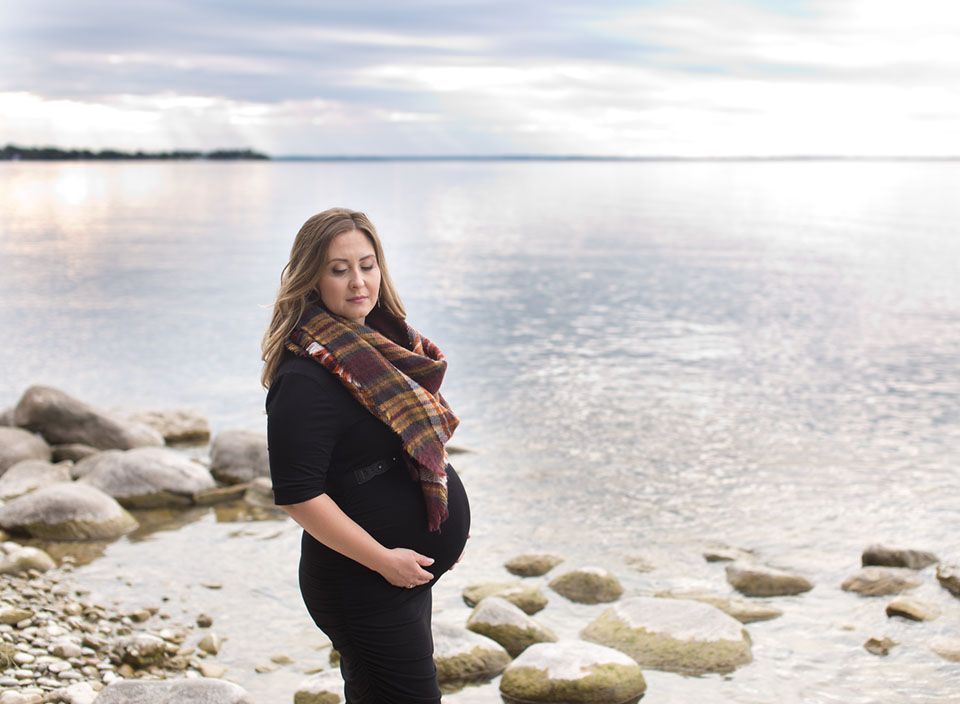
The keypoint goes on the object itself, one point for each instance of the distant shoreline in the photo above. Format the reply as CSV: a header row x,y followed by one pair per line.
x,y
14,153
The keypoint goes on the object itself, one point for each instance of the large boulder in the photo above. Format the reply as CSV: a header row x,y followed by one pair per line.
x,y
62,419
532,564
948,574
588,585
324,687
527,597
880,581
462,656
751,579
69,511
741,609
17,444
28,475
497,618
16,558
196,691
572,672
882,556
675,635
146,477
238,456
177,425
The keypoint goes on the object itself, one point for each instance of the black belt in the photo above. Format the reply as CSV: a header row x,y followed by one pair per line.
x,y
365,474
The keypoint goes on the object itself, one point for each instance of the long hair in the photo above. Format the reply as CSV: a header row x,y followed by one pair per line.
x,y
298,280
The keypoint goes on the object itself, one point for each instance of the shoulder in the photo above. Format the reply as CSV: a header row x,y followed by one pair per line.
x,y
295,366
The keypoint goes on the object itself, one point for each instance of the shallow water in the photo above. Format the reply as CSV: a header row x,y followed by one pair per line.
x,y
647,358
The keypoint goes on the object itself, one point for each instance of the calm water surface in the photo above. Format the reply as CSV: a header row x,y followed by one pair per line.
x,y
647,358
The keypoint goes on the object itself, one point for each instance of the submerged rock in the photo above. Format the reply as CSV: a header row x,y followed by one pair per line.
x,y
260,493
497,618
146,477
238,456
882,556
324,687
759,580
60,418
177,425
15,558
462,656
913,609
528,598
588,585
880,581
674,635
947,647
740,609
572,672
725,553
948,574
28,475
17,445
879,646
69,511
532,565
184,691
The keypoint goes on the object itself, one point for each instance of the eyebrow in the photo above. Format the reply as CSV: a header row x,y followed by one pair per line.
x,y
341,259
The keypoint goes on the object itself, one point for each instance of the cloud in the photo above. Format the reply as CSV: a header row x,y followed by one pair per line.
x,y
611,77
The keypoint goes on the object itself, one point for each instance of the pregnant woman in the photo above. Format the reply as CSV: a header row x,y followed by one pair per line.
x,y
356,432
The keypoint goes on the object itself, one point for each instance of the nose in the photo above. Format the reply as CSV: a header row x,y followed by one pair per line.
x,y
356,279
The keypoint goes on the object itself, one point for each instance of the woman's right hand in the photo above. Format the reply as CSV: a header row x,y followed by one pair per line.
x,y
404,568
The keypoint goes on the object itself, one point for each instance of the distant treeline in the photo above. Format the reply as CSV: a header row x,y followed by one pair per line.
x,y
14,153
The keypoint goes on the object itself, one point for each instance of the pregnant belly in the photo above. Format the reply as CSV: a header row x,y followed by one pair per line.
x,y
392,509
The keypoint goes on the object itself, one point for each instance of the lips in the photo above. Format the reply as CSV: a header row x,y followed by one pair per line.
x,y
358,299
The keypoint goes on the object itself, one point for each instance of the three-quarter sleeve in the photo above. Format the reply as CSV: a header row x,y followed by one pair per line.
x,y
302,428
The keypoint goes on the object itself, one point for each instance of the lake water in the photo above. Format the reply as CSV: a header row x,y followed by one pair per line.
x,y
648,358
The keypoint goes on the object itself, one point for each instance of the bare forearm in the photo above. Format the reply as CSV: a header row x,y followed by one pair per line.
x,y
325,521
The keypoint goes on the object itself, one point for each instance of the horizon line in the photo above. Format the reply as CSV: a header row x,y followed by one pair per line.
x,y
597,157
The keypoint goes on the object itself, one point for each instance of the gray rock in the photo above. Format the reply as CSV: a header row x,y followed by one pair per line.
x,y
73,451
28,475
6,417
742,610
462,656
211,643
588,585
15,558
17,444
948,574
79,693
238,456
911,608
759,580
528,598
146,477
674,635
882,556
532,565
947,647
69,511
879,646
62,419
325,687
196,691
880,581
177,425
498,619
572,672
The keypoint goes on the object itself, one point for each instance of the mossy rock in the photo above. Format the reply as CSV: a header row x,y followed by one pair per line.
x,y
759,580
532,565
674,635
528,598
572,672
498,619
741,609
462,656
588,585
324,687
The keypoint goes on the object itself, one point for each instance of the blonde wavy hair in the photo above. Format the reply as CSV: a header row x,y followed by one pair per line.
x,y
299,278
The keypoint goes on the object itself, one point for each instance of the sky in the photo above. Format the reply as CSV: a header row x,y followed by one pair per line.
x,y
490,77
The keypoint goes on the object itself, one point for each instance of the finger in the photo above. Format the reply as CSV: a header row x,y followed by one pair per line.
x,y
424,560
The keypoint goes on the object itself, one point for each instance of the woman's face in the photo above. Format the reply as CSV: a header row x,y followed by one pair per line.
x,y
350,278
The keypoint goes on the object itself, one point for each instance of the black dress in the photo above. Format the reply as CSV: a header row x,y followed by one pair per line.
x,y
321,440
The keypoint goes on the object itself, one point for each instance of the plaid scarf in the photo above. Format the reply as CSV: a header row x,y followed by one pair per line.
x,y
395,373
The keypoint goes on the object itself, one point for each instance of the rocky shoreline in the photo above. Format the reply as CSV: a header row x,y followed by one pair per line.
x,y
70,472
